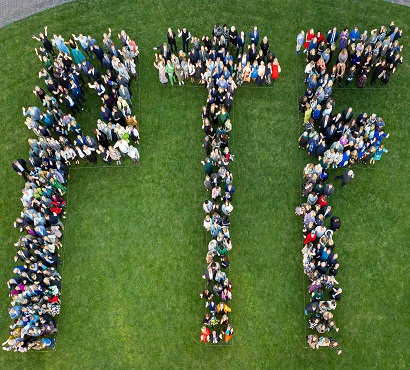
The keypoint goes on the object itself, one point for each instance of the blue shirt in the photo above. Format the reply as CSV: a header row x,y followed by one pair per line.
x,y
222,83
354,35
254,37
300,39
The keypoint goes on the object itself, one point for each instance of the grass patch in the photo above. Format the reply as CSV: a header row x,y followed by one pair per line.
x,y
134,250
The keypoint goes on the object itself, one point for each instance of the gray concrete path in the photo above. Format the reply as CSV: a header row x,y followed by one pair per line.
x,y
401,2
14,10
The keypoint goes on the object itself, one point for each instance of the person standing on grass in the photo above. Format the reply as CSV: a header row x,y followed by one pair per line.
x,y
205,334
332,36
115,155
354,35
378,72
300,39
254,36
233,36
312,341
335,223
170,69
134,155
228,332
161,70
207,166
207,206
164,51
46,42
240,43
172,41
275,70
71,104
59,43
347,177
34,113
20,166
186,36
123,147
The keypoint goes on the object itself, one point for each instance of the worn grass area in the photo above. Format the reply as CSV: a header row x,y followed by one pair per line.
x,y
134,248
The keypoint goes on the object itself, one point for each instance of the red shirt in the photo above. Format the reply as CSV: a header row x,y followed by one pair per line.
x,y
322,202
311,237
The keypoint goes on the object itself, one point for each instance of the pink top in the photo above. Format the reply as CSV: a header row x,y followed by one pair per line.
x,y
343,141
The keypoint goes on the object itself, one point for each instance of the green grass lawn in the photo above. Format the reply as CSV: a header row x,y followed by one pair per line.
x,y
134,248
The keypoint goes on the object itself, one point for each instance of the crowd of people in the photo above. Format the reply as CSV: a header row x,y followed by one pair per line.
x,y
320,260
35,288
227,57
341,139
69,73
337,140
221,63
360,55
217,126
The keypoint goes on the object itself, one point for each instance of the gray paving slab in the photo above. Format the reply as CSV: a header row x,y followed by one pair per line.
x,y
401,2
14,10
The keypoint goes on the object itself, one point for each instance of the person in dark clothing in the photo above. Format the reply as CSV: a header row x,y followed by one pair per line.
x,y
171,40
336,293
20,166
99,53
335,223
46,42
347,177
311,308
207,166
378,72
185,35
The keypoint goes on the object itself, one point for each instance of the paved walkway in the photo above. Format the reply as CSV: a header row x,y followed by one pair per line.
x,y
401,2
14,10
